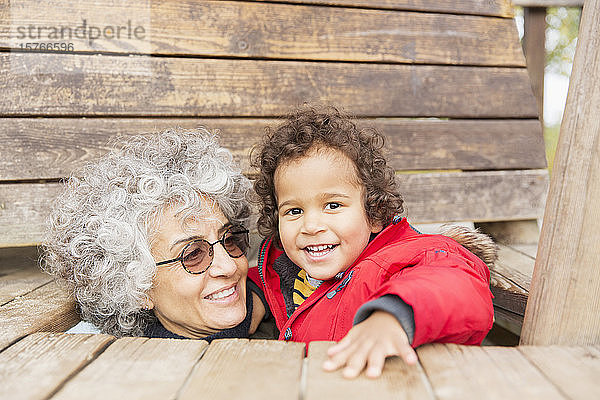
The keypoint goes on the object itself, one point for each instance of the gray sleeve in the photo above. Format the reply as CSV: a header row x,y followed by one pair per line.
x,y
393,305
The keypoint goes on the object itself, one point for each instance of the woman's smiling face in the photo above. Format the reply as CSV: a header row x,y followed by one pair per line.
x,y
197,305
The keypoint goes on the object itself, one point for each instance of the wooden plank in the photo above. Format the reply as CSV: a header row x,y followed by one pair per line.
x,y
157,86
500,8
36,366
136,368
430,197
238,29
510,280
471,372
48,308
574,370
527,249
398,380
564,305
23,212
508,320
474,196
548,3
17,258
50,148
513,233
239,368
534,45
21,282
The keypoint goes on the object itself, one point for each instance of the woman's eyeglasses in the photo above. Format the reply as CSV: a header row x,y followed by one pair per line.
x,y
197,256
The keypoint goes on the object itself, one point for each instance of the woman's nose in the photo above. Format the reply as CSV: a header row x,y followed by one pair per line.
x,y
222,264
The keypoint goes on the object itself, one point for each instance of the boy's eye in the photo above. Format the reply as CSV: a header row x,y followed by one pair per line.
x,y
332,206
293,211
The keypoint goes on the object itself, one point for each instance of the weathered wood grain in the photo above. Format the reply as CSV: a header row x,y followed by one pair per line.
x,y
510,280
17,258
20,282
47,308
136,368
513,233
23,212
471,372
564,305
574,370
501,8
238,29
430,197
94,85
548,3
534,41
398,380
50,148
474,196
36,366
255,369
527,249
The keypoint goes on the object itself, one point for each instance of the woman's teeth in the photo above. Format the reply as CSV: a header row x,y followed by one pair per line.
x,y
320,250
221,294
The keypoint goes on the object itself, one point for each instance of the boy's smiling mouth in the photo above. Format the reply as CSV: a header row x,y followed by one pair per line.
x,y
320,250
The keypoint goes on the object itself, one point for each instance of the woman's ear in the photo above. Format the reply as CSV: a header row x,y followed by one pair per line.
x,y
148,304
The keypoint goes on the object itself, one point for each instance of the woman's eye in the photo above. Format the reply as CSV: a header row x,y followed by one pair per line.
x,y
332,206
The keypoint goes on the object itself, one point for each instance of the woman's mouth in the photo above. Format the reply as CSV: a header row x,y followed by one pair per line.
x,y
321,250
223,294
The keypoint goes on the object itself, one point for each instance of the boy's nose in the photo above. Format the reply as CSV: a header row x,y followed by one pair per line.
x,y
312,223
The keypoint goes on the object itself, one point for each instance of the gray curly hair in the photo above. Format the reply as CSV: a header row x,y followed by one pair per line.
x,y
99,232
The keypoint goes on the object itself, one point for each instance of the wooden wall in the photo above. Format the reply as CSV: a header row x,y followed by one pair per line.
x,y
446,82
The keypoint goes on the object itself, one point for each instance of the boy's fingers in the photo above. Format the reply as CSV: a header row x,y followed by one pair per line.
x,y
357,360
408,354
340,358
340,346
375,363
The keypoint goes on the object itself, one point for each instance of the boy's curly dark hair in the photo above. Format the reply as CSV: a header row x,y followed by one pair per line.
x,y
309,126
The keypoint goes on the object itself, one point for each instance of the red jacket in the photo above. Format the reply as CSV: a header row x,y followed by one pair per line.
x,y
446,286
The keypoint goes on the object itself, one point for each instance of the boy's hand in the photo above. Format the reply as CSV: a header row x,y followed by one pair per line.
x,y
370,342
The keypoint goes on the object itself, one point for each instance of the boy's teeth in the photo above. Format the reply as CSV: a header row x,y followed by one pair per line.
x,y
320,247
221,294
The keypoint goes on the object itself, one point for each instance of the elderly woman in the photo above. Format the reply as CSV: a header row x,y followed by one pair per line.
x,y
152,239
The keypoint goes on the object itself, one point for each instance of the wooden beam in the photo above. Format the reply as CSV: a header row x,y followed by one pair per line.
x,y
96,85
499,8
35,367
47,308
224,373
280,31
51,148
548,3
163,366
535,51
564,305
405,381
470,372
430,197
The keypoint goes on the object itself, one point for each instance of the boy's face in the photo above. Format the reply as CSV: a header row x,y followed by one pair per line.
x,y
323,225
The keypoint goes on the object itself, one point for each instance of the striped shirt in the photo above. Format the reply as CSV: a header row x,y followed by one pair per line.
x,y
304,286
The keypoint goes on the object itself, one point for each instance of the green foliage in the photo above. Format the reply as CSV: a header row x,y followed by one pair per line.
x,y
561,38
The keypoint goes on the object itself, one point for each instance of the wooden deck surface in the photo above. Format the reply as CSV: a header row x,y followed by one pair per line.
x,y
82,366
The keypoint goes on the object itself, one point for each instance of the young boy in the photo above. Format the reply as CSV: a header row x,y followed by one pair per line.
x,y
339,262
